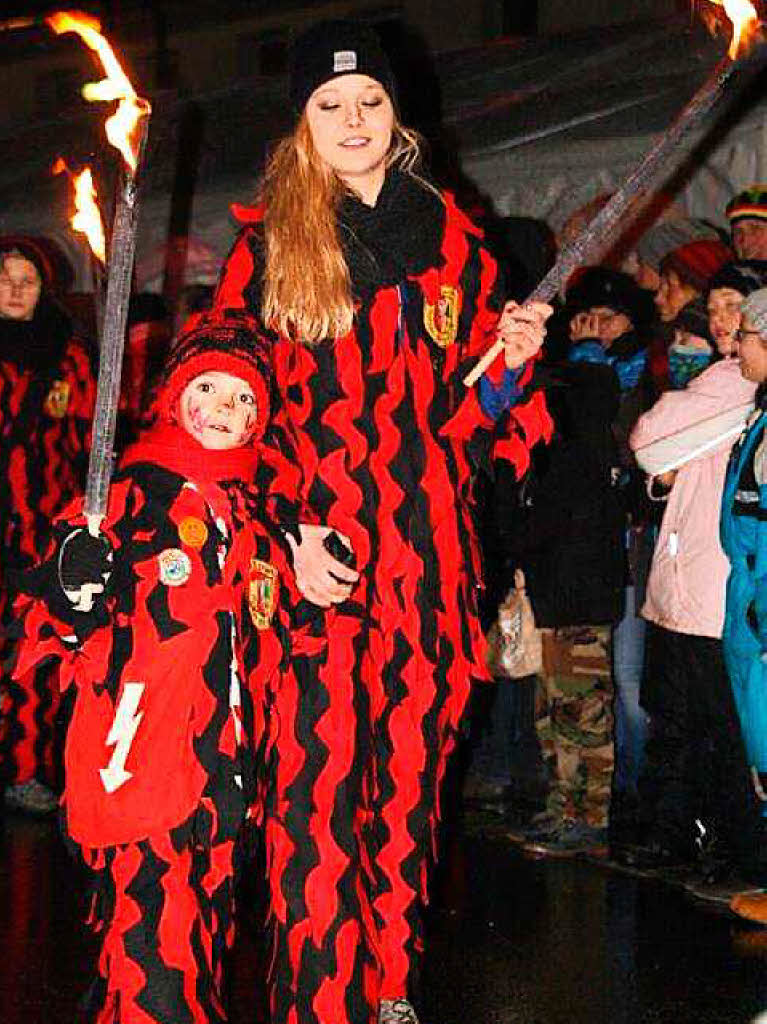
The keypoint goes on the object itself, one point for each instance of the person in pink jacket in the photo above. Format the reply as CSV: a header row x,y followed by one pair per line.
x,y
694,792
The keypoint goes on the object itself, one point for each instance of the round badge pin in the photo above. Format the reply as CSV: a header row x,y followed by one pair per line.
x,y
175,567
193,532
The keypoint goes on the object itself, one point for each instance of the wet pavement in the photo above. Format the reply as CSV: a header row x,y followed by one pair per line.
x,y
511,941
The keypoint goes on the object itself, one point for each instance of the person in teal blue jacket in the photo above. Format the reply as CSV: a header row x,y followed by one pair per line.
x,y
744,539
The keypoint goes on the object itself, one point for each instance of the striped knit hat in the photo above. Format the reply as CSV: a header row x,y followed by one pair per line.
x,y
229,344
744,276
751,204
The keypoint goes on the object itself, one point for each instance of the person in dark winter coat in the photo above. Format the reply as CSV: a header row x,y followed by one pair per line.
x,y
380,296
47,394
567,537
172,664
612,308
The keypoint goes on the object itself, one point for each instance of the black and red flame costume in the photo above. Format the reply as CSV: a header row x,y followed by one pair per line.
x,y
171,673
47,394
384,439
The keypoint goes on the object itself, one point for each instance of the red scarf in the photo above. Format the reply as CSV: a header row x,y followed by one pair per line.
x,y
171,447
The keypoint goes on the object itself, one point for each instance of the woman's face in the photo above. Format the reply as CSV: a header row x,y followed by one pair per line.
x,y
20,287
753,353
672,296
351,120
724,319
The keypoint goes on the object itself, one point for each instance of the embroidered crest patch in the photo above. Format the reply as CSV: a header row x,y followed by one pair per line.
x,y
57,399
441,318
175,567
193,532
262,593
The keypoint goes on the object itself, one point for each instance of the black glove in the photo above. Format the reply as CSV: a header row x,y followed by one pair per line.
x,y
85,565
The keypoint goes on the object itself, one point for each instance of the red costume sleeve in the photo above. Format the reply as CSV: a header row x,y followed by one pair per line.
x,y
528,422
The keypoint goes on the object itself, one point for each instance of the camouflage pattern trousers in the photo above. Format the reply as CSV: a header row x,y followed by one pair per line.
x,y
574,722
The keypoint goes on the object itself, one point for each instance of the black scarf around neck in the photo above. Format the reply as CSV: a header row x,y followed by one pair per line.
x,y
401,235
37,344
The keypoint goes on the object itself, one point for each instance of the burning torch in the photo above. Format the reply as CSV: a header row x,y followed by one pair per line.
x,y
597,236
126,130
87,221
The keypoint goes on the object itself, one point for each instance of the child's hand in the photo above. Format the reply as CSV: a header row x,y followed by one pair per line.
x,y
320,577
85,565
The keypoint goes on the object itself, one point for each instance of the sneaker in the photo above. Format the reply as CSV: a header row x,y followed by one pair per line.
x,y
396,1011
31,797
569,840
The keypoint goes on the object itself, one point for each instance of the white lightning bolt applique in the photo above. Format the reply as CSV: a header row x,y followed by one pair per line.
x,y
121,734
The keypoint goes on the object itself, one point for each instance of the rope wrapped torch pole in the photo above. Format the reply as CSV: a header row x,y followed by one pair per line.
x,y
122,252
597,236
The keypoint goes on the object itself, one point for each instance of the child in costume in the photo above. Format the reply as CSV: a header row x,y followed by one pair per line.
x,y
167,626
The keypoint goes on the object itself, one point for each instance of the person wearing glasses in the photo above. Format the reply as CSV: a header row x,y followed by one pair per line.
x,y
744,538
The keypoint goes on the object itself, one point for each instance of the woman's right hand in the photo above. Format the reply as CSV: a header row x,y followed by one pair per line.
x,y
320,578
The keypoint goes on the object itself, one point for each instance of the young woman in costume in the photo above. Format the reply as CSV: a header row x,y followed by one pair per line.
x,y
378,296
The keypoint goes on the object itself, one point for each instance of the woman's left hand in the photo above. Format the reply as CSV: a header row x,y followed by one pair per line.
x,y
522,330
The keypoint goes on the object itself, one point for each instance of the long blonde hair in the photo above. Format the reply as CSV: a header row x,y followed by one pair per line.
x,y
307,288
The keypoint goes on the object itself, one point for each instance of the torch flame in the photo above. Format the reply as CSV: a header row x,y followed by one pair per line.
x,y
87,217
123,127
745,23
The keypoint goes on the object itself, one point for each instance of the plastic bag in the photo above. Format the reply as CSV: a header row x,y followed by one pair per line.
x,y
514,643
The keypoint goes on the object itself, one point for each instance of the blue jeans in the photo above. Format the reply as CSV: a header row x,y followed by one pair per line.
x,y
630,719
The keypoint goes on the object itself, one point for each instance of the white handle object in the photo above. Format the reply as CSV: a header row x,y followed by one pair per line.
x,y
484,363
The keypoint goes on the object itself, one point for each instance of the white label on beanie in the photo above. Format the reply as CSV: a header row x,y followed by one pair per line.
x,y
344,60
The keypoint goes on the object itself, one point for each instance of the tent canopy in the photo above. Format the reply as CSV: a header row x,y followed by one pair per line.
x,y
540,126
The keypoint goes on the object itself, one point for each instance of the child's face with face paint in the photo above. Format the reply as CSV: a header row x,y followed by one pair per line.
x,y
218,410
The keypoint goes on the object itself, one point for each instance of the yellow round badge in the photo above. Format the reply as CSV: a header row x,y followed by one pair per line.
x,y
193,532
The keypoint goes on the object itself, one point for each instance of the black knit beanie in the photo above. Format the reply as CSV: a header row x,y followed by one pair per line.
x,y
334,48
601,286
744,276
